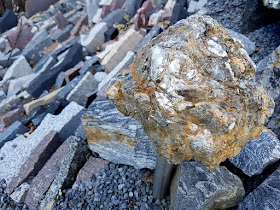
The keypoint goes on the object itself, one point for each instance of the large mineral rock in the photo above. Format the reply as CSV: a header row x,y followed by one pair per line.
x,y
193,90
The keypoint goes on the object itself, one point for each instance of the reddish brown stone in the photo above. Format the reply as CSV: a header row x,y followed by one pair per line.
x,y
141,19
9,118
73,72
117,4
83,21
39,156
148,6
60,20
106,9
20,38
92,167
41,183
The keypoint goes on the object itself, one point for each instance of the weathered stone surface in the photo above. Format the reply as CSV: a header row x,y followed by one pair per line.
x,y
34,6
9,118
40,102
95,38
249,46
88,65
92,8
266,196
258,153
155,18
114,17
20,38
17,128
92,167
14,153
37,159
86,87
97,17
78,26
196,187
192,90
7,21
20,193
128,42
272,4
18,69
47,78
60,20
41,183
131,6
73,72
19,84
72,162
64,34
68,88
45,64
117,138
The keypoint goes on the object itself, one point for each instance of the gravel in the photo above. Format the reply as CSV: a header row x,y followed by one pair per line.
x,y
116,187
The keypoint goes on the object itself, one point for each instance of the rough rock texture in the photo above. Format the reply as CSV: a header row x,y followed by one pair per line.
x,y
196,187
117,138
192,89
266,196
272,4
258,154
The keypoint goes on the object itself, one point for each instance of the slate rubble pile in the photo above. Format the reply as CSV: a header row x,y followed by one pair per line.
x,y
63,144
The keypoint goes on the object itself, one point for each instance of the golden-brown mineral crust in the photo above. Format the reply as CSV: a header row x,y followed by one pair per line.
x,y
193,89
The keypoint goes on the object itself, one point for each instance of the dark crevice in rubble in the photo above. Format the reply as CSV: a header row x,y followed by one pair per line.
x,y
251,183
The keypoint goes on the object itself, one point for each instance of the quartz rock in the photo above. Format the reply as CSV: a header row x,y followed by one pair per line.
x,y
192,88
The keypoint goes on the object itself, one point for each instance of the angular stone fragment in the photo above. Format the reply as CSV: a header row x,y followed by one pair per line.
x,y
20,38
192,89
126,43
196,187
64,34
131,6
37,159
95,38
117,138
265,196
60,20
272,4
72,162
20,193
14,153
258,153
92,8
17,128
41,101
114,17
78,26
34,6
86,87
7,21
41,183
92,168
18,69
19,84
9,118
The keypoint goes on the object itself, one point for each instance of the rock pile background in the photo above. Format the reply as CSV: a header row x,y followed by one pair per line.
x,y
55,69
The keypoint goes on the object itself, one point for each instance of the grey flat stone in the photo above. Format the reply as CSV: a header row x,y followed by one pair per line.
x,y
72,162
117,138
32,50
87,85
67,89
88,65
2,95
18,69
80,132
196,187
257,154
248,44
17,128
20,193
64,34
45,64
19,84
14,153
116,16
265,196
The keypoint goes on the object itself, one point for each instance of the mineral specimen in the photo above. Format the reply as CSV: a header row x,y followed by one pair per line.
x,y
193,90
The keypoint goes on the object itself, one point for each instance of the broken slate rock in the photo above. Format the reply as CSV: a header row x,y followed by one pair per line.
x,y
60,20
7,21
172,98
9,118
18,69
117,138
37,159
196,187
19,84
20,193
34,6
20,38
64,34
258,153
72,162
265,196
17,128
87,85
14,153
114,17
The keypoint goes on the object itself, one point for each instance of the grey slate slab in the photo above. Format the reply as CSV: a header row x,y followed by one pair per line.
x,y
63,34
116,16
88,65
47,79
258,153
17,128
7,21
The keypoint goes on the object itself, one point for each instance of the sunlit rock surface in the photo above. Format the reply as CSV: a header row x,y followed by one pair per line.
x,y
272,4
193,90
